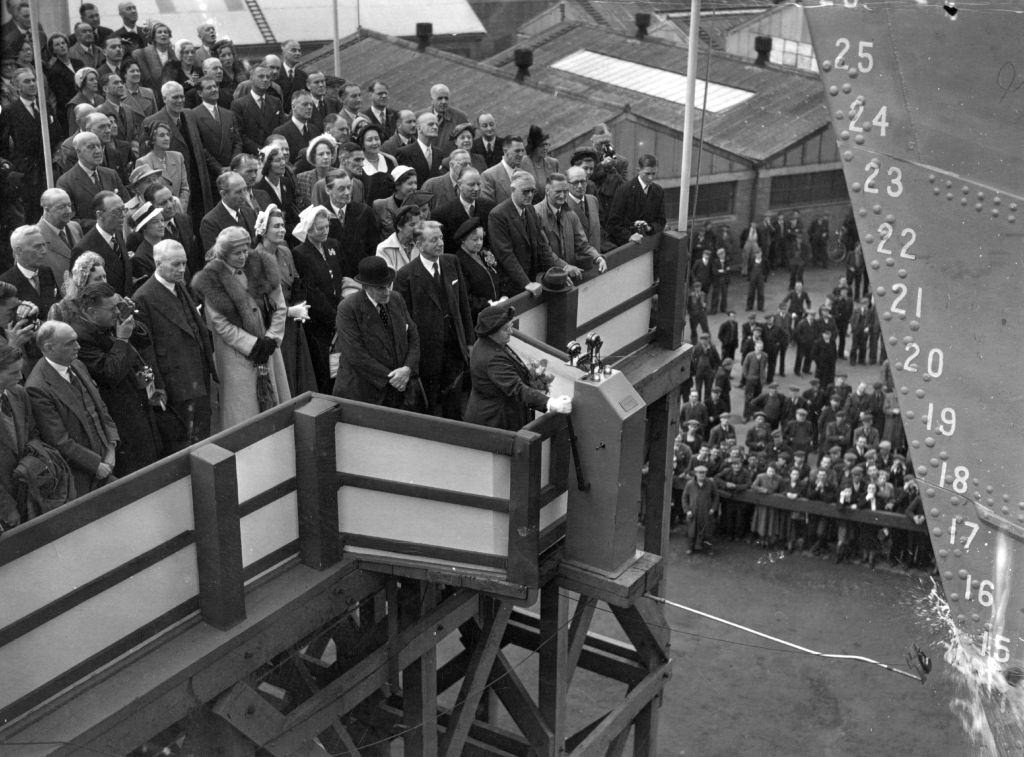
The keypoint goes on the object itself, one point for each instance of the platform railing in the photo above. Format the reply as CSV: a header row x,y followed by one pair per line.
x,y
314,479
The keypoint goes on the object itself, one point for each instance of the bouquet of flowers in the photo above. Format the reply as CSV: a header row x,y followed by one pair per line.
x,y
642,227
539,376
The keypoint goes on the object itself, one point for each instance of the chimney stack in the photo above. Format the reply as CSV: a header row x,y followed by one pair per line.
x,y
424,31
763,46
643,21
523,60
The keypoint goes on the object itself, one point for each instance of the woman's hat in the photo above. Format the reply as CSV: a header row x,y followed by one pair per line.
x,y
317,141
306,218
263,219
401,173
493,317
374,272
143,214
142,172
459,128
465,229
555,280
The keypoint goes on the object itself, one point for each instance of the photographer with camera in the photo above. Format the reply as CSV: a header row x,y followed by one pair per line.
x,y
17,322
112,345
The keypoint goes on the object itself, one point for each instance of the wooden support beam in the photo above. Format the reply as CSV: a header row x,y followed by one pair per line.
x,y
553,683
506,684
633,582
481,661
592,659
618,744
485,740
369,674
249,713
647,640
602,737
581,619
218,536
662,427
419,679
207,734
316,482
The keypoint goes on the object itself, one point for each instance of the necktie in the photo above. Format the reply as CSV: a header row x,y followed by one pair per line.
x,y
115,246
382,311
215,112
66,238
430,156
305,132
259,101
437,274
472,210
34,281
5,405
95,178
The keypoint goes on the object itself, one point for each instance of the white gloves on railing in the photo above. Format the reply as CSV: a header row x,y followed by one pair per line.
x,y
561,404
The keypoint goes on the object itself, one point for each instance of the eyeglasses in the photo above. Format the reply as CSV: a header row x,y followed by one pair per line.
x,y
528,190
578,182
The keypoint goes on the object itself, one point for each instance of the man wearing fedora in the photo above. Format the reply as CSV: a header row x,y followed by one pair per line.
x,y
431,286
518,240
502,395
377,339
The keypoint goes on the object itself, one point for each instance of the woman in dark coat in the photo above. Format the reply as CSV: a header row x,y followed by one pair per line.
x,y
276,187
502,396
60,75
270,234
377,166
478,266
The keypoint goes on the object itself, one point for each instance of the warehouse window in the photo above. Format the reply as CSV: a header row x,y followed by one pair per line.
x,y
808,189
713,199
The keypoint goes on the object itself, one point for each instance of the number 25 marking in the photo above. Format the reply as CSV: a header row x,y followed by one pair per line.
x,y
865,61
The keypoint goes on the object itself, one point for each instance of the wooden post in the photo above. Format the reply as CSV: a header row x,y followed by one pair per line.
x,y
316,480
524,510
218,536
662,426
673,264
419,680
554,662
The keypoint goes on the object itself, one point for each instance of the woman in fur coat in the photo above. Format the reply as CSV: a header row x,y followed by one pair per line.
x,y
244,305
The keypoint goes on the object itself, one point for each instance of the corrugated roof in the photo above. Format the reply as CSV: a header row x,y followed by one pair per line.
x,y
476,87
656,82
713,26
787,106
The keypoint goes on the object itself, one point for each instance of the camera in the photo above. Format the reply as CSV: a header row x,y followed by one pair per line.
x,y
126,309
607,151
28,312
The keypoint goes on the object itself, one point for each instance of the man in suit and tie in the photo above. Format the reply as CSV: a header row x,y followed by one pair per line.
x,y
438,303
637,200
584,205
90,14
257,113
213,68
378,112
232,210
177,226
84,180
127,120
488,144
116,153
518,240
353,224
443,189
182,346
323,103
106,239
85,51
21,140
563,228
497,180
218,133
468,204
17,429
113,54
130,35
405,133
421,155
70,414
186,140
378,340
207,35
298,130
292,79
60,233
30,274
447,117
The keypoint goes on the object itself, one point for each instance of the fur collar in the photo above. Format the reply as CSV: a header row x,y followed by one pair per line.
x,y
222,290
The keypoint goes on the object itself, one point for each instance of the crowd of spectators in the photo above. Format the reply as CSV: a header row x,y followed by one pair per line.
x,y
832,443
225,234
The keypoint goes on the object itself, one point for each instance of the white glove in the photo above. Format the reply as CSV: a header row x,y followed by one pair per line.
x,y
561,404
299,312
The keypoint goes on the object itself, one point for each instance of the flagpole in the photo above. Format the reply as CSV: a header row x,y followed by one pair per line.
x,y
44,117
691,88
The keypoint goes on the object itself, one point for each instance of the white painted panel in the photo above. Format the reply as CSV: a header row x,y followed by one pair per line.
x,y
624,329
265,464
269,528
395,457
49,572
554,510
601,294
45,653
422,521
534,322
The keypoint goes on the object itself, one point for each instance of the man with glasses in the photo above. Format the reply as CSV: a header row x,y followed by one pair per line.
x,y
107,240
518,240
563,227
584,205
60,233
